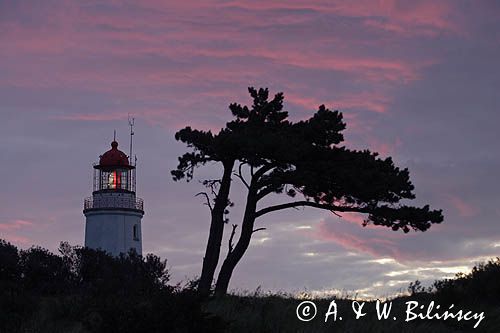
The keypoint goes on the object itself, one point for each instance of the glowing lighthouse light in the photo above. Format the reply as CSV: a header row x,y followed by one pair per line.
x,y
112,180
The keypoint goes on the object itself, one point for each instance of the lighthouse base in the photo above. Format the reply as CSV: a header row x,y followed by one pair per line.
x,y
113,230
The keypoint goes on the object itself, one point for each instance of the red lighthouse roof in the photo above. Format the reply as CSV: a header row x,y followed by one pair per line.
x,y
114,157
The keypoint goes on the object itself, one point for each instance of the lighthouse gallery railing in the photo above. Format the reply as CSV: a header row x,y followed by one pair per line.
x,y
113,202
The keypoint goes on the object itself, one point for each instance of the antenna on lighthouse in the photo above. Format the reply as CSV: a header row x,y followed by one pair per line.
x,y
131,122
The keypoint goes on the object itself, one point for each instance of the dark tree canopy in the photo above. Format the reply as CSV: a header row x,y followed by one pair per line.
x,y
305,158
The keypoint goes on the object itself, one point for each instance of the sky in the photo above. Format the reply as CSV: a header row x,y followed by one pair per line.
x,y
415,80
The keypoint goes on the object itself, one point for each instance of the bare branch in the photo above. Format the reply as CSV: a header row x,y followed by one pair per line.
x,y
332,208
231,238
335,213
240,176
265,191
208,200
258,229
212,184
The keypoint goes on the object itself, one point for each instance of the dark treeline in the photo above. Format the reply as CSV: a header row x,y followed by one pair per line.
x,y
83,290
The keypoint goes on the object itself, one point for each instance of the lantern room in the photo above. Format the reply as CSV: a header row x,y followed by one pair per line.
x,y
114,171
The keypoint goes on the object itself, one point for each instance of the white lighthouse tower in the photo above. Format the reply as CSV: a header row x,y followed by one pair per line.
x,y
113,213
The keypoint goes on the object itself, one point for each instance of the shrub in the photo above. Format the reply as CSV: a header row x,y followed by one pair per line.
x,y
91,290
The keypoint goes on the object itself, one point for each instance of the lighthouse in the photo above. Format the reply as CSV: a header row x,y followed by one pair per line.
x,y
113,213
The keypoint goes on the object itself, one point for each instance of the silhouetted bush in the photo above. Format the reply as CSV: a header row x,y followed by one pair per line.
x,y
10,270
85,290
43,272
481,285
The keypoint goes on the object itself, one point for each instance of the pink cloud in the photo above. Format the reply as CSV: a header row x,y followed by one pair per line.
x,y
10,228
15,225
463,208
353,218
368,68
341,234
401,17
369,101
384,148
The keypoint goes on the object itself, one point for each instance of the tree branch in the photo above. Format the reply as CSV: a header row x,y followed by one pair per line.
x,y
258,229
332,208
212,184
208,200
240,176
231,239
263,170
265,191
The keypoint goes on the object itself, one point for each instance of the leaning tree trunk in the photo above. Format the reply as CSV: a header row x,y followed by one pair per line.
x,y
212,251
234,255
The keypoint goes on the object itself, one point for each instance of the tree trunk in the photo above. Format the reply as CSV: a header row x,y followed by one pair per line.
x,y
236,254
212,251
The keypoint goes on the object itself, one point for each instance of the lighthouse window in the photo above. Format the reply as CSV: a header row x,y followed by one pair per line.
x,y
124,180
136,232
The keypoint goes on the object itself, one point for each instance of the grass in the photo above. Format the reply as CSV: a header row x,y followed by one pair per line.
x,y
277,313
